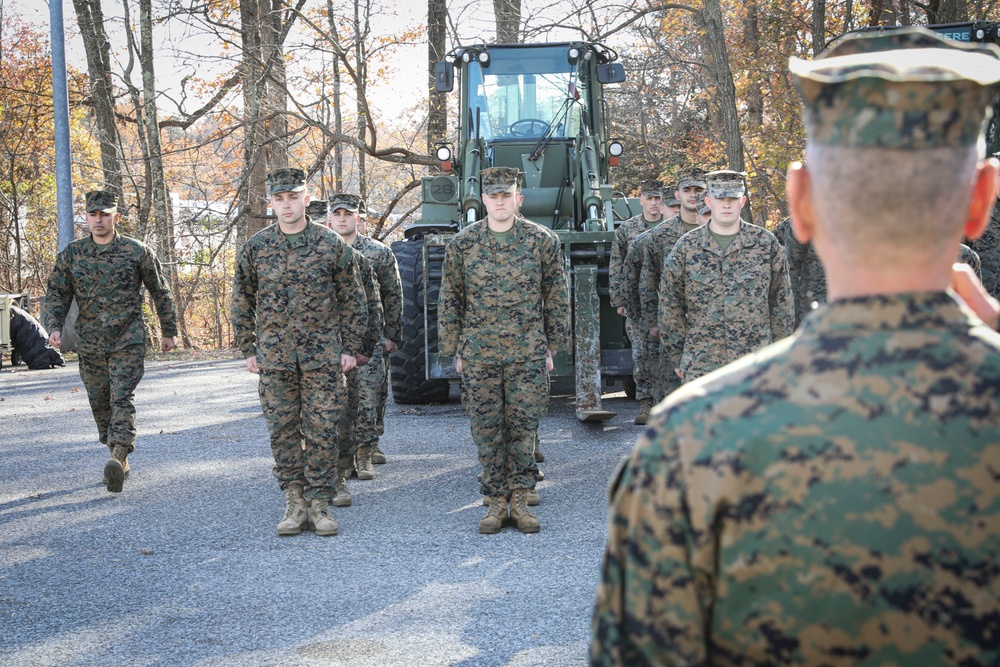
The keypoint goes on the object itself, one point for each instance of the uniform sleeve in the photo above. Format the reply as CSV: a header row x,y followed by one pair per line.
x,y
244,303
555,296
672,310
619,249
780,300
649,284
451,301
648,610
352,300
376,320
631,271
391,290
58,294
158,285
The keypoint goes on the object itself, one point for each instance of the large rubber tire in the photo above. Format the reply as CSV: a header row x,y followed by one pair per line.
x,y
408,365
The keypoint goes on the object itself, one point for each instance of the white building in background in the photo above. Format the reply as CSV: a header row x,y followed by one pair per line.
x,y
200,227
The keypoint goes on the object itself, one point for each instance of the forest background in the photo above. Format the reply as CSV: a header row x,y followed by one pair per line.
x,y
183,106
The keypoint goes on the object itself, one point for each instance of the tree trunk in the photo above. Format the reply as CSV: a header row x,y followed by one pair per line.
x,y
819,26
754,93
276,93
947,11
359,59
437,111
710,19
253,196
338,114
95,42
508,16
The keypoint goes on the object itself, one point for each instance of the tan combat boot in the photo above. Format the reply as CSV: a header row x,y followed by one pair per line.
x,y
321,519
531,496
115,469
495,517
343,497
365,469
111,450
520,514
378,456
296,517
645,405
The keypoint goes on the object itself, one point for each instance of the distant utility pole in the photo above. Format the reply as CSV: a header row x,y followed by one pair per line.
x,y
60,98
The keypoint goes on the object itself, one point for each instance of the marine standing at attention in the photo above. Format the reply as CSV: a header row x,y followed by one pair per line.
x,y
299,316
503,314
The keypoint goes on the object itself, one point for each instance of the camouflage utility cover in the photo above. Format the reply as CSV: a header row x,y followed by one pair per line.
x,y
496,180
651,188
101,200
348,202
286,179
725,184
317,209
300,302
691,177
503,302
831,500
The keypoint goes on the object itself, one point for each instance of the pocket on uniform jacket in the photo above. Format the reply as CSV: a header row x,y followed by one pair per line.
x,y
701,285
752,282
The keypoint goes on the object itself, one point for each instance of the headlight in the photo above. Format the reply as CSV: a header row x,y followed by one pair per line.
x,y
443,153
615,149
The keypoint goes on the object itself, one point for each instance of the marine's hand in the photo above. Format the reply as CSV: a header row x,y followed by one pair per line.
x,y
347,362
458,365
679,373
655,332
967,285
55,339
362,359
549,364
168,343
621,311
389,346
252,366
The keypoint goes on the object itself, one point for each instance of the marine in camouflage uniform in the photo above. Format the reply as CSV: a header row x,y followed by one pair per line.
x,y
690,188
387,291
106,272
503,313
317,210
718,303
299,316
622,275
833,499
808,277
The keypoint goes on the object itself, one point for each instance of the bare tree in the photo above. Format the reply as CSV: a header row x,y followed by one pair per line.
x,y
508,16
437,110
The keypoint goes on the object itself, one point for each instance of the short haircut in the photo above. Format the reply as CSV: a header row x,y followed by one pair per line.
x,y
894,205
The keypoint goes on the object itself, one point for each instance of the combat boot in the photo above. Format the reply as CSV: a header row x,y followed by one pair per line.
x,y
296,517
378,457
125,465
114,469
364,463
645,406
520,514
531,496
495,517
539,456
343,497
321,519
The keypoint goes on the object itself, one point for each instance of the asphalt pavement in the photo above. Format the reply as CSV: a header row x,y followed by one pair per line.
x,y
185,567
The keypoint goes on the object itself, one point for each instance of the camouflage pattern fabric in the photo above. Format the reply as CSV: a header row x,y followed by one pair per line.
x,y
625,236
987,247
645,348
504,403
110,379
654,251
726,184
910,97
298,302
304,404
357,425
496,180
715,307
286,179
827,501
390,286
805,271
808,277
506,302
298,305
107,282
100,200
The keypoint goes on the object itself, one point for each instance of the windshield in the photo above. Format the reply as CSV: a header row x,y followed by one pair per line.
x,y
525,93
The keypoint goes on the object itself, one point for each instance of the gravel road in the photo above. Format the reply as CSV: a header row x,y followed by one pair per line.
x,y
185,568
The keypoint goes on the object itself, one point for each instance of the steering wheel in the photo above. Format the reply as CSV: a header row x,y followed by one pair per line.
x,y
517,130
